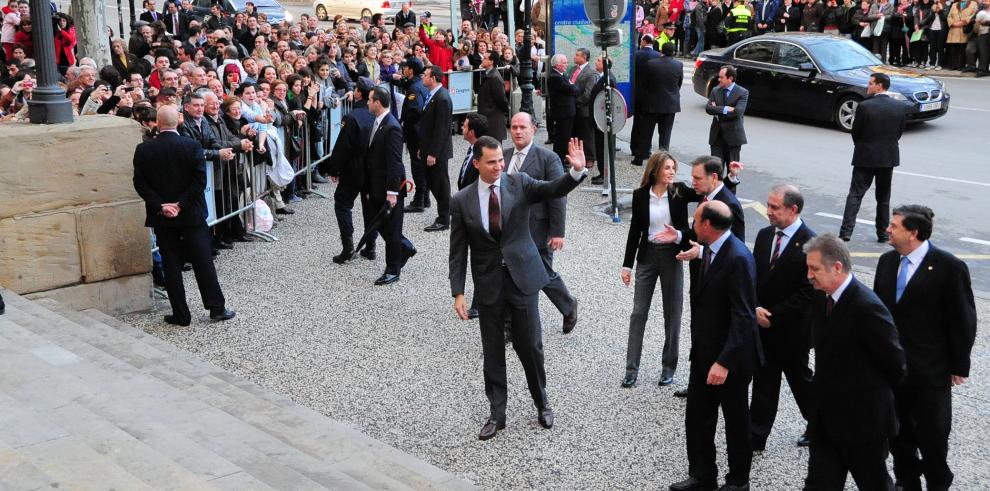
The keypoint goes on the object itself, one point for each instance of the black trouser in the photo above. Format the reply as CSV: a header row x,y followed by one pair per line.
x,y
983,43
936,46
563,130
898,48
343,204
701,418
956,56
830,462
178,245
438,179
397,247
728,153
418,167
924,415
919,52
781,359
641,142
584,129
880,47
527,340
862,178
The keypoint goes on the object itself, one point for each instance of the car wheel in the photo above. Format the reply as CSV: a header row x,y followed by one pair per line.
x,y
845,112
321,13
366,13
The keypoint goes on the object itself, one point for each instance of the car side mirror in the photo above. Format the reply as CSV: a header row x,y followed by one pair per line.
x,y
808,67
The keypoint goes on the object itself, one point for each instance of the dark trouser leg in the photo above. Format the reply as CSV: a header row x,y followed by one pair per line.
x,y
438,178
641,144
880,47
588,137
766,397
983,44
666,123
672,292
418,167
700,419
726,152
370,208
882,192
600,150
562,135
734,395
904,447
799,377
556,290
492,320
391,232
197,248
527,338
343,204
171,249
936,46
646,280
868,465
862,178
925,420
826,467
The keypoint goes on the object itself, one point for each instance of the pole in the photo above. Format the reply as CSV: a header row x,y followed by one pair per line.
x,y
48,104
133,16
120,19
526,63
608,122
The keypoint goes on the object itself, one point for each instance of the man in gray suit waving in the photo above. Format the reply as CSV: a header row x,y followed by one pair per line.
x,y
491,218
546,220
727,105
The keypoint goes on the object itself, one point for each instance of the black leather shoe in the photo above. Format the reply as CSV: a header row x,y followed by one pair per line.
x,y
734,487
473,313
637,162
681,393
490,429
883,238
546,418
629,381
693,484
413,209
845,238
222,315
406,255
285,211
386,279
173,320
665,380
598,180
804,441
436,227
368,254
570,320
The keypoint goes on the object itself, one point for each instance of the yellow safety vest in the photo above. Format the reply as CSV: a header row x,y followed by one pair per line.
x,y
662,40
740,16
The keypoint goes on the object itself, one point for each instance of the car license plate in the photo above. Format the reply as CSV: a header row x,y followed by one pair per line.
x,y
931,106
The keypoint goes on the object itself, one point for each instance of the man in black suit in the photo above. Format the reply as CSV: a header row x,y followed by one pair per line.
x,y
548,219
641,94
475,126
724,352
170,175
492,102
928,292
876,131
150,14
436,147
783,294
384,176
598,88
346,167
175,21
561,97
490,219
662,100
727,105
858,362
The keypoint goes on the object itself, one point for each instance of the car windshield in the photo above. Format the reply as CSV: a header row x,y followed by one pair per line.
x,y
841,54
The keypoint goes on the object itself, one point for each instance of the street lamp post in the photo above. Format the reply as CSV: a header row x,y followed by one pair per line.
x,y
526,63
48,104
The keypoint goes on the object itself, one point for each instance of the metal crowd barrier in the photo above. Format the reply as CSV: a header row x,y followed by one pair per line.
x,y
242,182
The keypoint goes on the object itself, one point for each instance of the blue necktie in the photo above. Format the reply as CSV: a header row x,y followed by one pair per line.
x,y
902,278
464,166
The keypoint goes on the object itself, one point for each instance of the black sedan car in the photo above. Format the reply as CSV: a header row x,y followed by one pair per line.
x,y
815,76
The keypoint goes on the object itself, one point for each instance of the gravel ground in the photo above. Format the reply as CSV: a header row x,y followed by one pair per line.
x,y
395,363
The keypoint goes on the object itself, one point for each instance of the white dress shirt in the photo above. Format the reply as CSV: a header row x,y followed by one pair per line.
x,y
660,215
842,288
518,158
484,191
786,239
717,245
914,260
711,196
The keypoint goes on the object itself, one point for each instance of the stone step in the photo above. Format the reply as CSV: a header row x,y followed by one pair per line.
x,y
18,473
135,401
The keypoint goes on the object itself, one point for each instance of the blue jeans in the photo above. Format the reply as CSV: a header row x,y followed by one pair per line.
x,y
698,48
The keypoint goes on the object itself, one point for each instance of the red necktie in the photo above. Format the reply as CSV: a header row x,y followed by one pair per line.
x,y
829,303
494,214
776,249
574,76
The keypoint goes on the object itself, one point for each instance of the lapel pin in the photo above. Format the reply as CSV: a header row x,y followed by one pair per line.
x,y
930,268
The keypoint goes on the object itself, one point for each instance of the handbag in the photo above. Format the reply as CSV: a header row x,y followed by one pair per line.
x,y
867,32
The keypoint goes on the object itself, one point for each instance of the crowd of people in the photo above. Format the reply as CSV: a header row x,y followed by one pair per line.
x,y
929,34
229,86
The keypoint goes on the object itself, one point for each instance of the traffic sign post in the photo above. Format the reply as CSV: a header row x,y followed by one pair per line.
x,y
606,14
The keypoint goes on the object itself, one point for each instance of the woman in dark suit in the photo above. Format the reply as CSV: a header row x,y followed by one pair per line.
x,y
658,231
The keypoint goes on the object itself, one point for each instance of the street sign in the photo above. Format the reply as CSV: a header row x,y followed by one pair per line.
x,y
615,10
618,111
607,38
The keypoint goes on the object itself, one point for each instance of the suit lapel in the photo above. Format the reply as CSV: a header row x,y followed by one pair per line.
x,y
530,158
716,265
921,273
794,245
508,199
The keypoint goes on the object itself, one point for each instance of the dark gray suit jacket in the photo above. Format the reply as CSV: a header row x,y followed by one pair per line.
x,y
728,126
546,218
876,132
585,82
516,249
664,77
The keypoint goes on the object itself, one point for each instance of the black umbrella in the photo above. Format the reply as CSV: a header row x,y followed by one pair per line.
x,y
372,228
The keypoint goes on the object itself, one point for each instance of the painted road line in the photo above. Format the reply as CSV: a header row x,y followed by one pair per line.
x,y
758,207
975,241
839,217
744,200
972,109
950,179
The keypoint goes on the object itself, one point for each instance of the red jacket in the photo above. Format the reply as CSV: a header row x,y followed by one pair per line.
x,y
23,38
65,44
438,53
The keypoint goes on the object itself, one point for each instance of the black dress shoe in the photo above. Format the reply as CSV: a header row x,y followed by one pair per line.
x,y
187,267
883,238
386,279
845,238
490,429
598,180
734,487
570,320
222,315
175,321
285,211
629,381
693,484
804,441
637,162
413,209
368,254
473,313
436,227
408,255
681,393
665,380
546,418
